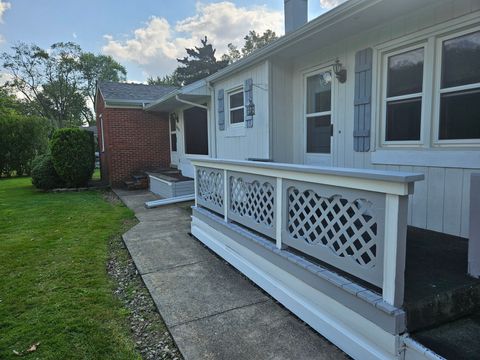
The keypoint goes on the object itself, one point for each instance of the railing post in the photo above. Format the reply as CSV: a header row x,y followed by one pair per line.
x,y
474,233
396,210
225,196
278,212
195,186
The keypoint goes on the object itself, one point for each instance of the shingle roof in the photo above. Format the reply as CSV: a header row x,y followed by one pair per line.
x,y
132,92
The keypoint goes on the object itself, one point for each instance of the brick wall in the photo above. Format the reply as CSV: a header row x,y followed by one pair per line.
x,y
135,141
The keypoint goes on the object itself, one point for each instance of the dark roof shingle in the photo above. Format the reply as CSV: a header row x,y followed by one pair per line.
x,y
132,92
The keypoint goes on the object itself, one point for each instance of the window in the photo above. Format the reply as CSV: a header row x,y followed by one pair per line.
x,y
459,117
319,112
173,132
404,95
196,131
236,107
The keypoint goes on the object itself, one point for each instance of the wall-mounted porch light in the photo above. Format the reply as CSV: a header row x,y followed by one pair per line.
x,y
250,108
340,72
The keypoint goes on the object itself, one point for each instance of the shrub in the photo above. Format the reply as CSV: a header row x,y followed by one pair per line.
x,y
73,155
44,175
22,138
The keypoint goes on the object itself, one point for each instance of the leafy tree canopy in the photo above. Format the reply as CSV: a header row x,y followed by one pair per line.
x,y
58,83
170,80
253,41
199,63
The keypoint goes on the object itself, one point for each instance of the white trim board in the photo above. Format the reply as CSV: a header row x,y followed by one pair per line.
x,y
355,335
464,159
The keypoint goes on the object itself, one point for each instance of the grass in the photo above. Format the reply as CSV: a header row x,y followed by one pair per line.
x,y
96,175
54,288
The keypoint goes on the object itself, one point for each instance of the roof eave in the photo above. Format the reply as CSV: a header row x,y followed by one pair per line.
x,y
329,18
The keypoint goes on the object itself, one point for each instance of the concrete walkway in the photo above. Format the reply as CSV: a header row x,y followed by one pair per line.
x,y
211,310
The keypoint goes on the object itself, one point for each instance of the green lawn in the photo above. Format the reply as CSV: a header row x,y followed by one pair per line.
x,y
54,288
96,175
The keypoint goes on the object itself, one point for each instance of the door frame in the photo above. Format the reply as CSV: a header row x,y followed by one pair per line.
x,y
319,159
174,155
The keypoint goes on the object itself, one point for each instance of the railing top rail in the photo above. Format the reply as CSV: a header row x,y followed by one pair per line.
x,y
366,174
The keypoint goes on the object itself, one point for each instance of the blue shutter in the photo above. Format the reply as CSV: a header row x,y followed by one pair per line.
x,y
363,100
221,109
248,98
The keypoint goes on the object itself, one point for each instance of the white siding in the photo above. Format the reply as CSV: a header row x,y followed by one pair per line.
x,y
441,202
252,142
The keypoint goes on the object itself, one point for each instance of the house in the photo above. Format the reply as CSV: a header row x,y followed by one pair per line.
x,y
130,139
313,155
336,167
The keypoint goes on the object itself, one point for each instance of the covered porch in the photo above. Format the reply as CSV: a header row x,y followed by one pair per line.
x,y
333,246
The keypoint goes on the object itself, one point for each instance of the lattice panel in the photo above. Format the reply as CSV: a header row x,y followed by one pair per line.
x,y
254,200
347,228
210,187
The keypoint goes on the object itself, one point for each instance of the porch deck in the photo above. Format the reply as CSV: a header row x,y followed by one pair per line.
x,y
332,245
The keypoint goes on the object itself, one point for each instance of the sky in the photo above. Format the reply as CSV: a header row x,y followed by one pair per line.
x,y
146,36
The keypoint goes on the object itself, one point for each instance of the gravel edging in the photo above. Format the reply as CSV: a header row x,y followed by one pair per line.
x,y
148,330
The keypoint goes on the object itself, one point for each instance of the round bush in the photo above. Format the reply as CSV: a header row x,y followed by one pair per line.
x,y
44,175
73,156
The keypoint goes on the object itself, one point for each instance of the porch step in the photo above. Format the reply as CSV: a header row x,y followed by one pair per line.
x,y
444,307
437,287
458,339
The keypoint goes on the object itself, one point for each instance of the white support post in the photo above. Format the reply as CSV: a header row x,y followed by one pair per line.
x,y
195,188
474,234
225,195
278,213
396,208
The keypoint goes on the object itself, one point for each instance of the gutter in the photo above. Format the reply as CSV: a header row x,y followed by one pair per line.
x,y
190,103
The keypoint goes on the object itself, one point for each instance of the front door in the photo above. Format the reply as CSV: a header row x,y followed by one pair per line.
x,y
318,118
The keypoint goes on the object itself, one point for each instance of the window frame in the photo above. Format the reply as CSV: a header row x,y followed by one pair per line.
x,y
385,55
439,39
230,93
306,75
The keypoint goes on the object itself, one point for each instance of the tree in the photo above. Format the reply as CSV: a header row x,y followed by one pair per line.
x,y
168,80
253,41
199,63
94,68
58,83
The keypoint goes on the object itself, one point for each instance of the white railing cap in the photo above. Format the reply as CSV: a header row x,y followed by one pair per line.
x,y
368,174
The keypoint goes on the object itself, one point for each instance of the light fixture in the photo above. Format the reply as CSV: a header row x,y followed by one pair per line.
x,y
250,108
340,72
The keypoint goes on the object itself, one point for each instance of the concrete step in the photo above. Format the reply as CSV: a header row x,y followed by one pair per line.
x,y
458,339
135,185
437,287
444,307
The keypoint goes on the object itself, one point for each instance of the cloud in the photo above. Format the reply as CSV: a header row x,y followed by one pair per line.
x,y
329,4
74,35
4,6
156,46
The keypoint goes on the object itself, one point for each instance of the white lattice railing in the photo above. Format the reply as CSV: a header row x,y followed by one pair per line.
x,y
354,220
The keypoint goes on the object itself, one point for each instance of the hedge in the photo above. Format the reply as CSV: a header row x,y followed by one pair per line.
x,y
73,155
22,138
44,175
